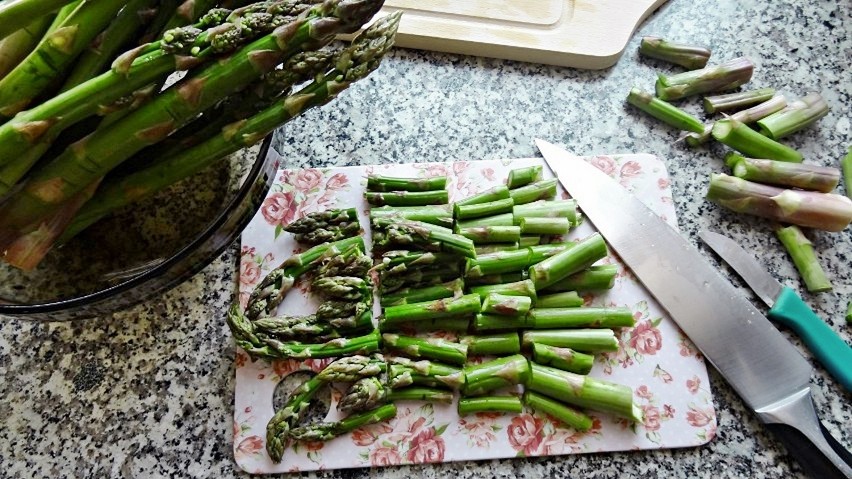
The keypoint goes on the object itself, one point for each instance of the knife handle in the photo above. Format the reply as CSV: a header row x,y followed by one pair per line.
x,y
812,460
828,348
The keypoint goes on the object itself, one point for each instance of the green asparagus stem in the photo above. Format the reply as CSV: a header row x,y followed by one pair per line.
x,y
285,419
734,101
428,348
569,416
583,340
19,44
341,287
403,261
493,279
726,76
491,234
799,175
494,322
801,251
572,260
849,313
496,374
505,305
544,226
846,167
274,349
415,393
565,359
567,299
489,248
496,263
504,219
437,309
327,431
419,278
796,116
492,194
457,323
407,198
557,318
388,183
749,142
548,209
529,240
364,394
441,215
321,219
351,262
468,406
584,391
665,112
478,210
507,343
594,278
687,56
523,176
825,211
776,103
405,372
353,368
518,288
541,252
540,190
15,14
420,295
189,12
311,328
419,233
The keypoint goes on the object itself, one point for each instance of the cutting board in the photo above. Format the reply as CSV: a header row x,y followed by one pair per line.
x,y
589,34
655,359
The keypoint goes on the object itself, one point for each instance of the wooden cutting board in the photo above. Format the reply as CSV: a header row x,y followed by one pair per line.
x,y
590,34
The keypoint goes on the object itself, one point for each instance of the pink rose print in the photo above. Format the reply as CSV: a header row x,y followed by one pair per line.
x,y
488,174
283,367
279,208
645,338
250,445
605,164
663,183
385,456
308,179
698,417
630,169
241,359
437,169
249,272
367,435
643,392
492,415
460,167
651,417
479,433
426,447
313,446
337,181
525,434
692,385
668,411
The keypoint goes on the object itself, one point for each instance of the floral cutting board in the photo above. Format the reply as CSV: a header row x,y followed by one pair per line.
x,y
667,374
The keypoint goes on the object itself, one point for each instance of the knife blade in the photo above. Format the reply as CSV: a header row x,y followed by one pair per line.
x,y
787,308
765,369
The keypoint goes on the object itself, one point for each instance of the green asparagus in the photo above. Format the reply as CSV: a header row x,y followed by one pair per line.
x,y
327,431
491,234
364,394
441,215
687,56
405,372
507,343
796,116
422,234
846,168
802,253
494,322
504,219
563,358
479,210
544,226
740,137
419,295
590,317
417,393
583,340
437,309
570,261
388,183
285,419
506,305
665,112
492,194
468,406
548,209
519,177
732,101
497,263
751,115
518,288
353,368
567,299
594,278
407,198
726,76
569,416
540,190
427,348
799,175
495,374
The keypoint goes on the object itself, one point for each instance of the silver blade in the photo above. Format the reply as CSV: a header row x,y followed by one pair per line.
x,y
758,279
759,363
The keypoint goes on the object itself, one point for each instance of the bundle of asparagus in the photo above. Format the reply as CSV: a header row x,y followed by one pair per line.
x,y
82,137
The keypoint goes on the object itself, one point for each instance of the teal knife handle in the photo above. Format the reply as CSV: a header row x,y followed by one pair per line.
x,y
829,348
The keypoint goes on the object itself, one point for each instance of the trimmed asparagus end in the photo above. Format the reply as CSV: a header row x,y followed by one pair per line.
x,y
726,76
802,252
665,112
731,101
740,137
687,56
796,116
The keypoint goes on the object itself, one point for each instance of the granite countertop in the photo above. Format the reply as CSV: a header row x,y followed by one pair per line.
x,y
148,392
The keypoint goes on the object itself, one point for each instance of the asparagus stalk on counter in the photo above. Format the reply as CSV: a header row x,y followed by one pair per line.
x,y
557,318
488,248
846,168
422,234
802,252
285,419
799,175
597,277
505,219
539,190
494,322
570,261
441,215
20,43
353,368
740,137
687,56
751,115
449,307
419,393
492,234
517,288
732,101
544,226
547,209
725,76
796,116
403,296
492,279
663,111
457,323
478,210
567,415
388,183
468,406
364,394
14,15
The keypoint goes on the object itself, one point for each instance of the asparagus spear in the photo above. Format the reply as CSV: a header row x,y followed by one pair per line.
x,y
726,76
405,372
505,219
567,299
584,391
569,416
437,309
15,14
274,349
801,251
285,419
495,374
441,215
548,209
846,167
321,219
478,210
518,288
489,248
364,394
799,175
687,56
507,343
351,262
505,305
455,323
494,322
419,278
493,279
540,190
419,233
796,116
492,194
594,278
563,358
556,318
825,211
751,115
468,406
407,198
341,287
572,260
583,340
415,393
496,263
529,240
543,251
732,101
749,142
388,183
403,261
519,177
665,112
420,295
492,234
849,313
544,226
353,368
327,431
19,44
428,348
311,328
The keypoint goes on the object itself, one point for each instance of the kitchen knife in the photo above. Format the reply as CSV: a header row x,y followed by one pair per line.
x,y
763,367
787,308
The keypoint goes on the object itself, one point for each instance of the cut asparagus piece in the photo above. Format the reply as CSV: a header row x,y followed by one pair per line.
x,y
490,248
569,416
285,419
441,215
420,278
583,340
567,299
584,391
547,209
802,253
506,305
353,368
496,374
492,194
478,210
437,309
504,219
493,279
492,234
403,262
274,349
776,103
407,198
529,240
825,211
558,318
415,393
687,56
420,295
540,190
565,359
799,175
423,234
468,406
518,288
507,343
544,226
733,101
846,167
460,323
427,348
570,261
663,111
740,137
541,252
726,76
519,177
594,278
849,313
321,219
497,263
328,431
404,372
389,183
364,394
796,116
494,322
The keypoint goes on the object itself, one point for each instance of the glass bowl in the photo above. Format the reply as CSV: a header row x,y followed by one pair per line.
x,y
147,248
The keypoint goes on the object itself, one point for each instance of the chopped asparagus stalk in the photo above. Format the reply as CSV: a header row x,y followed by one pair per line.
x,y
518,288
428,348
388,183
846,167
849,313
572,260
687,56
353,368
541,252
597,277
327,431
529,240
796,116
565,359
825,211
494,322
468,406
802,252
799,175
740,137
492,194
419,278
557,318
405,372
776,103
483,249
461,324
437,309
420,295
583,340
364,394
544,226
423,234
274,349
663,111
726,76
496,374
407,198
506,305
441,215
507,343
732,101
567,299
569,416
493,279
505,219
548,209
492,234
403,261
496,263
523,176
416,393
540,190
478,210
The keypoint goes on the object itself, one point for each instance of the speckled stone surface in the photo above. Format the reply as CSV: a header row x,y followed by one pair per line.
x,y
148,392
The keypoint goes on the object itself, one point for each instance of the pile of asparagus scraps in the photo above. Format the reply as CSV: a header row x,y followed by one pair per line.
x,y
86,126
769,179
